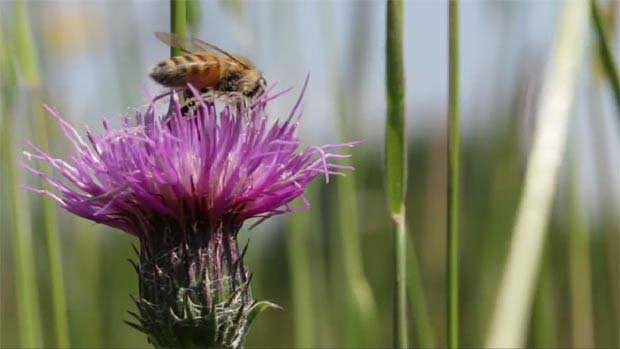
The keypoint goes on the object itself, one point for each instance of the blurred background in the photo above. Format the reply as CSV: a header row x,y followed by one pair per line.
x,y
330,268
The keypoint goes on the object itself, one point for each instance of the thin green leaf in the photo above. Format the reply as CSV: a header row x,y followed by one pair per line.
x,y
258,308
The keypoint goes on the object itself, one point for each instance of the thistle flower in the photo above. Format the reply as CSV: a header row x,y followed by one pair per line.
x,y
184,183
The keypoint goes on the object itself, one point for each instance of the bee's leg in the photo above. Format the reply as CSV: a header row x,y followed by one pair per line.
x,y
208,95
185,106
191,101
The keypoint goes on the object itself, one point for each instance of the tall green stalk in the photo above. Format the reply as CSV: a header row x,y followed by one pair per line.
x,y
360,309
26,289
193,16
544,316
512,310
608,246
453,177
396,166
607,57
422,328
301,227
178,22
580,272
27,56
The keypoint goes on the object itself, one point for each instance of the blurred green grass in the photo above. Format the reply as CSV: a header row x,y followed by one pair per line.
x,y
100,280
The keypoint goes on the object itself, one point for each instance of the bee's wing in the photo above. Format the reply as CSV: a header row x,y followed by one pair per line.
x,y
185,44
189,45
210,47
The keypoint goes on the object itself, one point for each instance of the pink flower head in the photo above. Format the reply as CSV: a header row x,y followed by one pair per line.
x,y
210,165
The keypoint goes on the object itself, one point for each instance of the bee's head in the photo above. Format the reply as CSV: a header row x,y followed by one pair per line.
x,y
252,83
261,85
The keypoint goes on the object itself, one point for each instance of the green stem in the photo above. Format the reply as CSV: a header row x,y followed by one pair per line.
x,y
360,306
361,309
301,228
419,311
453,179
27,55
605,50
26,289
396,170
544,324
88,247
608,245
193,16
178,22
514,299
579,268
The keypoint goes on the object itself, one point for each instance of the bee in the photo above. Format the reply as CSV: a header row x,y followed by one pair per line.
x,y
207,68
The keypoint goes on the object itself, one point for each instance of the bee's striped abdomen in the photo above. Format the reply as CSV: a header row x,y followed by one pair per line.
x,y
201,70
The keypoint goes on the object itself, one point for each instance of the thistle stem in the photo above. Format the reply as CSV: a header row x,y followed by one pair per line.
x,y
453,179
396,170
178,22
29,66
607,58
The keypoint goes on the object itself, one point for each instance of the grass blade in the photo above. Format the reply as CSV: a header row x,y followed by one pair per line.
x,y
579,267
360,308
453,178
27,56
508,325
544,316
26,290
301,226
419,310
395,156
606,249
25,275
607,58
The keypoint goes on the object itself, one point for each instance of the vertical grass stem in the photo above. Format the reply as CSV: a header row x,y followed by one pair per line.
x,y
301,227
178,22
513,305
26,289
27,56
607,58
396,170
453,178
